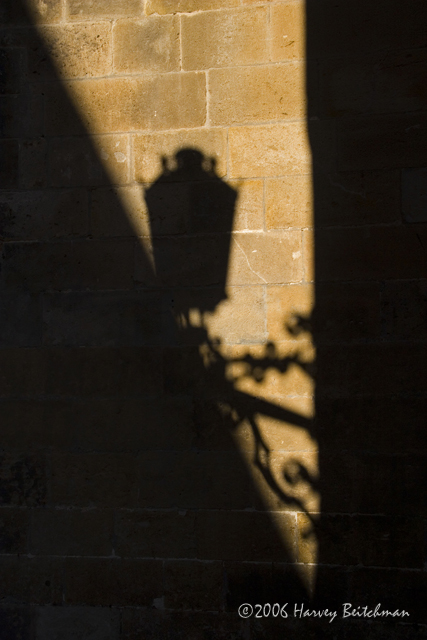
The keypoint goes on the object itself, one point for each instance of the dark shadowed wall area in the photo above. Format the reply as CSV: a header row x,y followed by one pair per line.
x,y
163,458
366,71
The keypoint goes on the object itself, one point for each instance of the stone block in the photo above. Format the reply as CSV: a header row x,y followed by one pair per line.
x,y
339,425
239,318
79,161
103,319
150,45
33,163
22,372
71,623
24,480
22,115
414,195
249,208
289,202
119,212
166,101
371,370
186,6
112,582
92,9
351,254
96,371
364,27
375,84
71,51
87,480
156,534
265,258
111,425
68,265
14,525
256,94
150,148
286,305
40,215
288,31
61,532
358,197
194,480
11,65
346,312
24,425
403,307
193,585
35,581
20,320
269,150
224,38
382,142
244,536
16,621
368,540
9,164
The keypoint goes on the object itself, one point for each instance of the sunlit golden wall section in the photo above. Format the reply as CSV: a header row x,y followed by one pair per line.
x,y
225,77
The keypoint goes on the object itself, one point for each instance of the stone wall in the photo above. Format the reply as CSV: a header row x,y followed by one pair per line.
x,y
167,167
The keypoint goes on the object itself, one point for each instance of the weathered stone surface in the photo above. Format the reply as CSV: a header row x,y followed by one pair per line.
x,y
72,51
149,45
256,94
258,258
289,202
249,209
270,150
224,38
125,104
288,31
